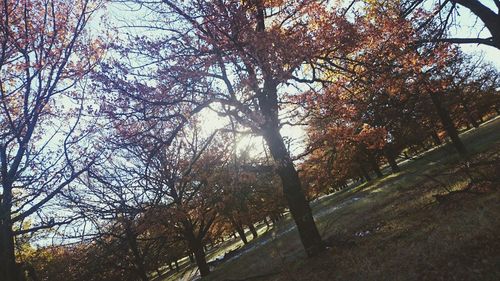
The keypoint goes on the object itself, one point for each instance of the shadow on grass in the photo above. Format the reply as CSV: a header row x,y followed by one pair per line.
x,y
392,220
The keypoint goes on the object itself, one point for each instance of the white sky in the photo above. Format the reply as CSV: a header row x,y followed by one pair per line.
x,y
470,27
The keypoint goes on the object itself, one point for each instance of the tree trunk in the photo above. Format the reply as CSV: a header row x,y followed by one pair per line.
x,y
394,165
448,125
374,164
274,220
201,262
389,155
253,230
406,155
138,258
365,174
241,232
377,171
360,179
292,190
30,273
8,267
470,116
9,271
200,258
299,207
480,116
267,223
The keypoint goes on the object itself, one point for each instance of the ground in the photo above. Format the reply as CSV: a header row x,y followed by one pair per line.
x,y
418,224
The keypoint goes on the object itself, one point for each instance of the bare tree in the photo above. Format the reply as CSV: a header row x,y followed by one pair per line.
x,y
44,53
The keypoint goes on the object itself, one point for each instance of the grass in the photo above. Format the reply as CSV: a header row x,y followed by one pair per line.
x,y
394,228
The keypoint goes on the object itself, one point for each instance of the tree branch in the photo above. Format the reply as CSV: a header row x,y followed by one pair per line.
x,y
485,41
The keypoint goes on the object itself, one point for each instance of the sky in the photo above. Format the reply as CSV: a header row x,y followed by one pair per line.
x,y
470,27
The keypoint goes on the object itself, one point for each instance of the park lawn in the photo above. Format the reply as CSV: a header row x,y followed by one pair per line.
x,y
394,228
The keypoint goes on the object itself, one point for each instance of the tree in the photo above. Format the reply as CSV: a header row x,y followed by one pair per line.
x,y
188,198
250,192
120,232
238,55
400,67
388,84
341,145
470,90
44,53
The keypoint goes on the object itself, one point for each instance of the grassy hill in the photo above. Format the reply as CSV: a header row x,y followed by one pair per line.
x,y
438,219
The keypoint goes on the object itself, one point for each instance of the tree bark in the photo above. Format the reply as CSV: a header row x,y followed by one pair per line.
x,y
267,223
274,220
391,159
196,246
30,272
253,230
138,258
365,174
8,268
241,232
374,164
377,171
344,184
9,271
448,125
292,190
299,207
470,116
